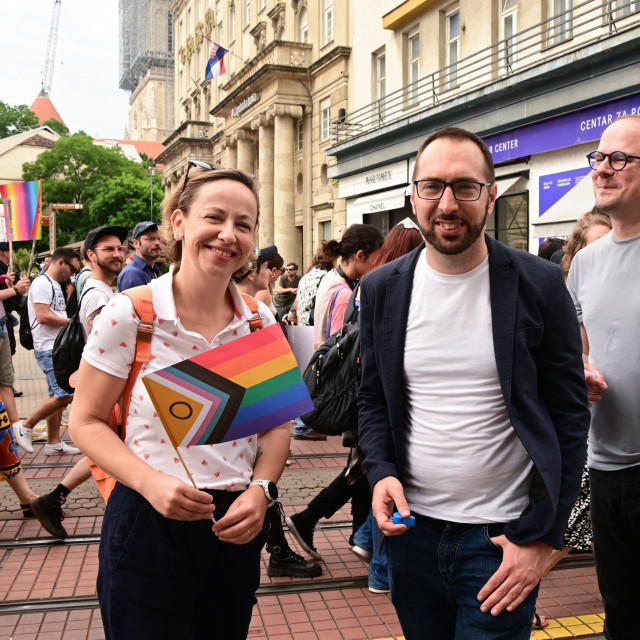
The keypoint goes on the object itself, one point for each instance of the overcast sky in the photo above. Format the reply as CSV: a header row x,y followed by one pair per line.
x,y
85,79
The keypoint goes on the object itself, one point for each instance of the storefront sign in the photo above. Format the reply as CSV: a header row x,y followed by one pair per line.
x,y
240,108
568,130
555,185
377,179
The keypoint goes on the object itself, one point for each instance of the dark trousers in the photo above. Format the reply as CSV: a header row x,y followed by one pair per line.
x,y
615,514
436,570
334,496
166,579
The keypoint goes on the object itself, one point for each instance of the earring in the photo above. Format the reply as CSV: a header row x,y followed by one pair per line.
x,y
177,236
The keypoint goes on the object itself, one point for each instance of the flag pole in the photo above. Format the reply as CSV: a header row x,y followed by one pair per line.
x,y
31,257
188,473
9,218
227,50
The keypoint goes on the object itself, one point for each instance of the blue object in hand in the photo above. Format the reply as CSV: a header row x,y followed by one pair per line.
x,y
399,519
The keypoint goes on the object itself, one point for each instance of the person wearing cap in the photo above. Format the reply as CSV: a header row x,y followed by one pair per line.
x,y
47,315
143,268
104,250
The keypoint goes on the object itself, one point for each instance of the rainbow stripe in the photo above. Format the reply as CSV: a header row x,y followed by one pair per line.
x,y
233,391
26,209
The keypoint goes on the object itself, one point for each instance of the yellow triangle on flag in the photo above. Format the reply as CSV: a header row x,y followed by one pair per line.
x,y
177,411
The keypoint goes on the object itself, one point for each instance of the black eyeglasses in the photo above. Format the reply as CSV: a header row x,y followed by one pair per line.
x,y
464,190
617,159
73,269
194,163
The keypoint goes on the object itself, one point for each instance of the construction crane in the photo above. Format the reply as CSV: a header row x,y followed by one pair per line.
x,y
50,57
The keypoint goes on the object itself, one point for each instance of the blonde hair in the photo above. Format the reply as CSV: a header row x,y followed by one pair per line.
x,y
578,240
183,197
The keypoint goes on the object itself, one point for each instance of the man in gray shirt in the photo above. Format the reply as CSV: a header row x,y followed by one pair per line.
x,y
604,283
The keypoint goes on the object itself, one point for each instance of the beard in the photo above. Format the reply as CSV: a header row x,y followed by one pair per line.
x,y
453,246
150,255
112,266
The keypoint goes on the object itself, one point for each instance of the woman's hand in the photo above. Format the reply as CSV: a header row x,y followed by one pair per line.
x,y
175,499
244,519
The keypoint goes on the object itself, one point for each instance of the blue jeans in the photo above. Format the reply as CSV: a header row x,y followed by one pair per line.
x,y
301,428
437,569
369,537
45,362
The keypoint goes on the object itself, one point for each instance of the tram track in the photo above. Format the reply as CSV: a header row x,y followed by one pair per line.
x,y
301,456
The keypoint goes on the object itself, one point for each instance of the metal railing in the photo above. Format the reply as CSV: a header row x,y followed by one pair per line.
x,y
584,24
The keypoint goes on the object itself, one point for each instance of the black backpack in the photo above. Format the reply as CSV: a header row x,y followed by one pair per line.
x,y
333,378
67,349
26,337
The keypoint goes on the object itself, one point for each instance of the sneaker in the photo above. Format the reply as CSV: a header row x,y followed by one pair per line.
x,y
303,529
311,435
60,448
291,564
50,516
22,436
377,590
363,554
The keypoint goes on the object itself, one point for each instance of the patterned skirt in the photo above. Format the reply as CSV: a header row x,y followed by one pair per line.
x,y
579,534
9,459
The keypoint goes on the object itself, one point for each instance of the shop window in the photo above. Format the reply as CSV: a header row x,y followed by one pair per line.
x,y
511,221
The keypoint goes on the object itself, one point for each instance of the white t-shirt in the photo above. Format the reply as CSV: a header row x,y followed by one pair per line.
x,y
465,462
111,347
95,295
45,290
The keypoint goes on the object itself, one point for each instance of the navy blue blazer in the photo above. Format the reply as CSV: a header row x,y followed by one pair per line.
x,y
538,352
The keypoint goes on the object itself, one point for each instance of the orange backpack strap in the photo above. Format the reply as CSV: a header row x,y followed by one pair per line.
x,y
142,298
256,320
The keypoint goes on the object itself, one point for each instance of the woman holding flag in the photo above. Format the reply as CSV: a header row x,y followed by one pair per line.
x,y
165,572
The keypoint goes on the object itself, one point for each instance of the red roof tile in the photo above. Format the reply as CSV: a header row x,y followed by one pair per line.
x,y
151,149
44,109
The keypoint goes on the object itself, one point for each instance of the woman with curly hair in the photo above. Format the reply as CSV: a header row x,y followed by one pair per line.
x,y
588,228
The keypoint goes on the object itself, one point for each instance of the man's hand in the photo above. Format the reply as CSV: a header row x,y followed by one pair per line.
x,y
386,493
518,574
244,519
23,286
596,383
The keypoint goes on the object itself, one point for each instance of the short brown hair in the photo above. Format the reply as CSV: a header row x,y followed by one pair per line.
x,y
455,133
181,198
578,240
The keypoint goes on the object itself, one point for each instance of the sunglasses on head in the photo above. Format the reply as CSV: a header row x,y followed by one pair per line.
x,y
195,163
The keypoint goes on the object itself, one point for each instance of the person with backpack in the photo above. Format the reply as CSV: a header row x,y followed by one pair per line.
x,y
164,571
358,248
47,315
104,251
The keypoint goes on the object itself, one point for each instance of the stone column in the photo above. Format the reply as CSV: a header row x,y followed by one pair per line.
x,y
230,153
265,176
284,182
245,151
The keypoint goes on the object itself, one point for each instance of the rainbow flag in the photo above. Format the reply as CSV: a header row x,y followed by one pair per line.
x,y
26,209
233,391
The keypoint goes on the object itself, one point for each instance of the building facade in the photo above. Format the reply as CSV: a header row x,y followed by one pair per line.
x,y
538,80
146,67
270,113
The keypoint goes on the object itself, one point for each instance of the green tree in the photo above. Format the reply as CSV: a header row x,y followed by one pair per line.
x,y
126,200
77,170
58,127
16,119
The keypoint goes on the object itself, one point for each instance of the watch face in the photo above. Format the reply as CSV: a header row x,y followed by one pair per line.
x,y
272,489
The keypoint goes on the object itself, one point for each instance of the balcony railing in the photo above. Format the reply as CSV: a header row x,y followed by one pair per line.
x,y
576,28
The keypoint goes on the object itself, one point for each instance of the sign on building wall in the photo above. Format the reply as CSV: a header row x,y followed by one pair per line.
x,y
241,107
389,175
555,185
568,130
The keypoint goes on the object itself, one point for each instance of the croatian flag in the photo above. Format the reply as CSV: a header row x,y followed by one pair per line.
x,y
215,65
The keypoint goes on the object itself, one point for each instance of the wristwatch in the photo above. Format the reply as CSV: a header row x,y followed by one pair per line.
x,y
270,489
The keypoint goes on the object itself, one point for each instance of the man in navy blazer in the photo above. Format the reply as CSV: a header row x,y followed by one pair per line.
x,y
473,408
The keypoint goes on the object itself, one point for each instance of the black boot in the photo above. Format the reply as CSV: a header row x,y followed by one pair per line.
x,y
302,525
284,561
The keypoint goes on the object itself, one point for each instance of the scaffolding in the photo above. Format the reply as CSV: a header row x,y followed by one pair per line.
x,y
146,41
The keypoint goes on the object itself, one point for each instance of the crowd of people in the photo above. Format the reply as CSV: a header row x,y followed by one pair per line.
x,y
483,371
